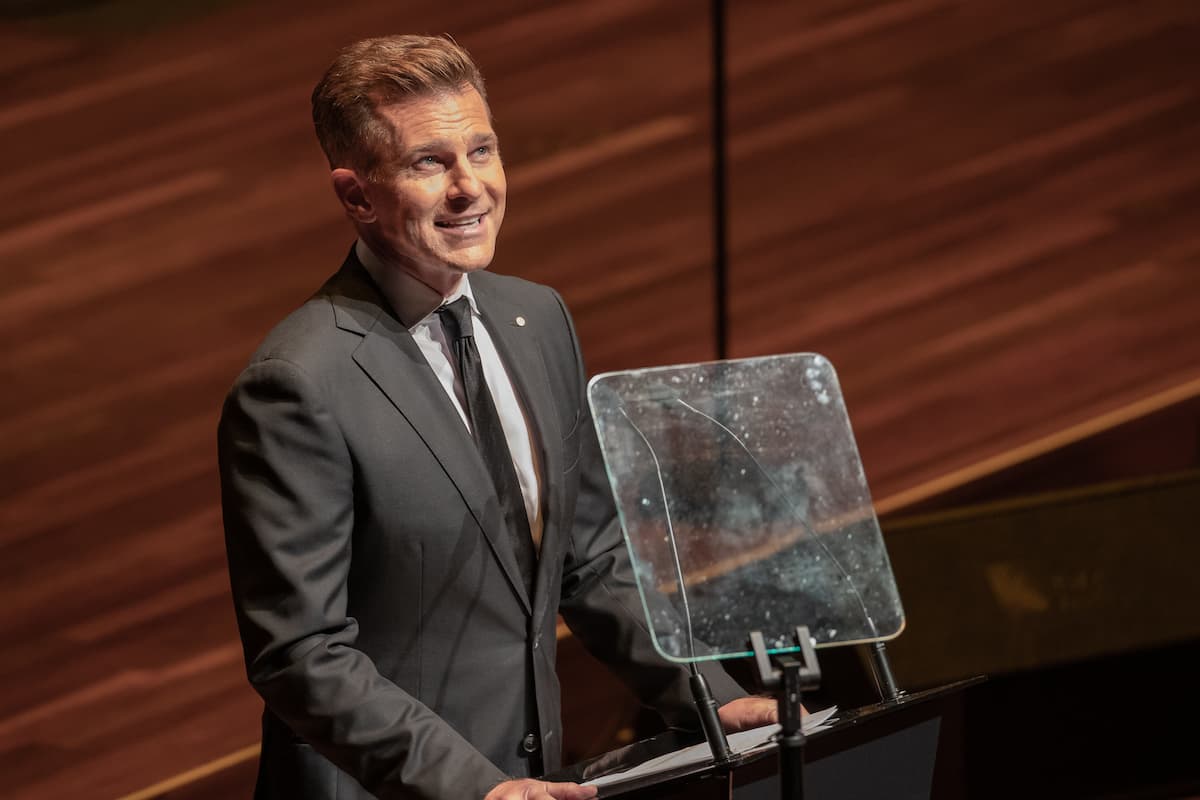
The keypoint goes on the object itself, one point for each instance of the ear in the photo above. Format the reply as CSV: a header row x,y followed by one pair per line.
x,y
351,193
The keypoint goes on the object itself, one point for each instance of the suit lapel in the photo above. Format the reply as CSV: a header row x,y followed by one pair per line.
x,y
518,347
394,362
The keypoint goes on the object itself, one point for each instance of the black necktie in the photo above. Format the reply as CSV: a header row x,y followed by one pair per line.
x,y
489,434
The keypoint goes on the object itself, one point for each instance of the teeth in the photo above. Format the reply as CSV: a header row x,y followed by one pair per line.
x,y
459,223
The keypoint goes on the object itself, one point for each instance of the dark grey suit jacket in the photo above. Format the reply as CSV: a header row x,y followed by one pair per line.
x,y
382,612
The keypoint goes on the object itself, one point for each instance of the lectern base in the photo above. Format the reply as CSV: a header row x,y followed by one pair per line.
x,y
894,751
897,766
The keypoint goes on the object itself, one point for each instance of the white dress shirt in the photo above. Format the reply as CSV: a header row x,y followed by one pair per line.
x,y
416,304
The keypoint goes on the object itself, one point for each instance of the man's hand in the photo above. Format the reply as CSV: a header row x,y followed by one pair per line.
x,y
748,712
530,789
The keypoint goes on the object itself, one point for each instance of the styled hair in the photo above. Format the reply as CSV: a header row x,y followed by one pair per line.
x,y
373,73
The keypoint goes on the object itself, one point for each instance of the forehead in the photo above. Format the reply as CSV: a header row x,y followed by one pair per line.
x,y
447,117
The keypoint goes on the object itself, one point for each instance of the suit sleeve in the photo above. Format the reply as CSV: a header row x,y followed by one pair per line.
x,y
600,601
288,505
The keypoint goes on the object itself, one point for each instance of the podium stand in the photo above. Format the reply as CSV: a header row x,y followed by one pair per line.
x,y
751,532
902,750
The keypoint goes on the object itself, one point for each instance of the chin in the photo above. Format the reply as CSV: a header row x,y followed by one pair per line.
x,y
471,263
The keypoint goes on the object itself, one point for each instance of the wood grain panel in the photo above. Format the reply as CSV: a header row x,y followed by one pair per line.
x,y
984,213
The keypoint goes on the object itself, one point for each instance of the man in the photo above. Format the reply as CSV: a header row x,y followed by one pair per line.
x,y
410,477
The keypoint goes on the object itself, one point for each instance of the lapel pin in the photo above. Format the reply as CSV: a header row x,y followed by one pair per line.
x,y
520,322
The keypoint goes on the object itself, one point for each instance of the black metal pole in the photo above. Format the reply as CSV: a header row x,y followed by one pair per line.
x,y
889,691
791,767
788,676
791,735
720,181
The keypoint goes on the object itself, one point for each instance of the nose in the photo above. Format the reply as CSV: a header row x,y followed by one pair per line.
x,y
464,182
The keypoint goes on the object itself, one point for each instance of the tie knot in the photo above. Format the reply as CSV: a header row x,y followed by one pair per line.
x,y
456,318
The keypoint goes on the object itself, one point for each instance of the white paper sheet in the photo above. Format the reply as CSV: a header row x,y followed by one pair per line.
x,y
743,742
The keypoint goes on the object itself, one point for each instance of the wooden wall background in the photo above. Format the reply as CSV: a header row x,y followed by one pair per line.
x,y
986,213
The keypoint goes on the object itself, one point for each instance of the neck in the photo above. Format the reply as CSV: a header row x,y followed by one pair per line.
x,y
409,294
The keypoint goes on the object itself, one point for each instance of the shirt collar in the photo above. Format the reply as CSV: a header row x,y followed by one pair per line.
x,y
413,301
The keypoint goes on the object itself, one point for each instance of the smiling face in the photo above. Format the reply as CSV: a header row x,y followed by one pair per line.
x,y
438,209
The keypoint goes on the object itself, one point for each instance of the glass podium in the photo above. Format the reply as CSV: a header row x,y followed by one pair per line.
x,y
744,506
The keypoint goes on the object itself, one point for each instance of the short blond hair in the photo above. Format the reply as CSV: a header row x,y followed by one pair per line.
x,y
373,73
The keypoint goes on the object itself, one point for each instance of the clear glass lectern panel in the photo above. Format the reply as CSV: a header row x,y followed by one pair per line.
x,y
743,500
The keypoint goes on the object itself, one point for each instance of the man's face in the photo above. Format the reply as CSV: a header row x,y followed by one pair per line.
x,y
438,211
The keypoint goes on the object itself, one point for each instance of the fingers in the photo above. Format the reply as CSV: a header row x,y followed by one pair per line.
x,y
748,712
570,791
529,789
